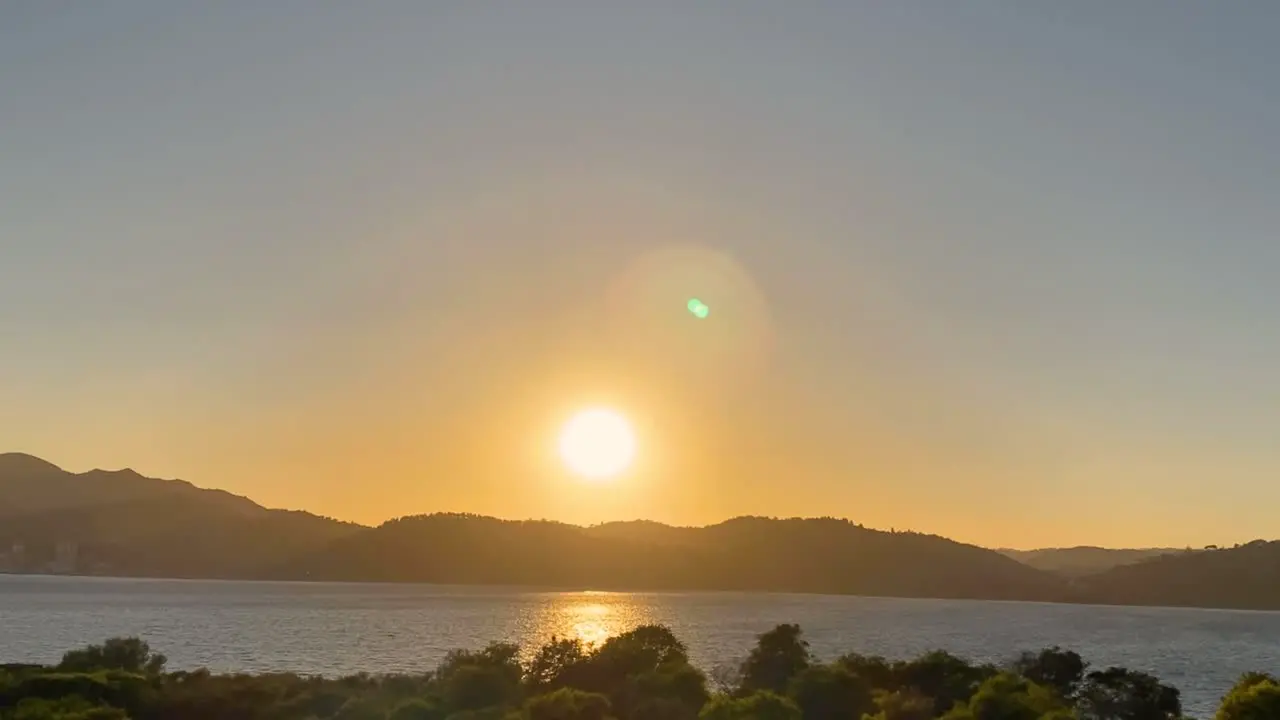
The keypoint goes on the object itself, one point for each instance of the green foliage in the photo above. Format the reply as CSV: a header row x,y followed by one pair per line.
x,y
128,654
502,657
489,713
762,705
476,681
640,675
1009,697
1062,670
475,687
779,655
942,676
1121,694
644,673
68,708
1255,697
831,692
112,688
672,691
567,704
874,669
644,649
906,704
554,665
416,709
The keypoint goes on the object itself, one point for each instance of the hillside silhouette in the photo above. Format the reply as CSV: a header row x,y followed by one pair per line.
x,y
122,523
1085,560
119,522
1245,577
29,484
819,555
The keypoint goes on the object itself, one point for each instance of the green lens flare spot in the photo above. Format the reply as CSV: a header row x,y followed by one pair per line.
x,y
698,308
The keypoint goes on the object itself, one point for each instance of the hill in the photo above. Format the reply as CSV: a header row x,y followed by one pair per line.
x,y
818,555
122,523
1084,559
1245,577
29,485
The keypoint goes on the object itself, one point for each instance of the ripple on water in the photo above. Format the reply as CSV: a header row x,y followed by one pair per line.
x,y
335,629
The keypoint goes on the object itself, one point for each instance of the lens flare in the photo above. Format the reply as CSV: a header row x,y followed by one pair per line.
x,y
693,352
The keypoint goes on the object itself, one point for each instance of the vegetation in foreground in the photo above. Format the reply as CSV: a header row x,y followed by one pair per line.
x,y
641,675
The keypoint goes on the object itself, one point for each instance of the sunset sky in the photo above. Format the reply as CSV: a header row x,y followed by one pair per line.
x,y
1006,272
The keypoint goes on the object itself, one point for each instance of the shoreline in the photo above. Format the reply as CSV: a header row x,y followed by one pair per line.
x,y
516,589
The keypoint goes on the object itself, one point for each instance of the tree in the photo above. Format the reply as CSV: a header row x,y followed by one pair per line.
x,y
500,656
638,671
554,665
127,654
645,648
477,680
942,676
673,691
1062,670
831,692
1009,697
567,704
874,669
763,705
1120,694
1255,697
779,655
906,704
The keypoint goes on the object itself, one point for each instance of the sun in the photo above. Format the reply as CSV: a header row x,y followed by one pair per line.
x,y
597,443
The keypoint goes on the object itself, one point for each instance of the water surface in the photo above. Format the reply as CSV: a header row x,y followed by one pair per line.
x,y
336,628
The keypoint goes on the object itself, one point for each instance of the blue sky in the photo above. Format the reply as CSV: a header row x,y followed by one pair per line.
x,y
1017,262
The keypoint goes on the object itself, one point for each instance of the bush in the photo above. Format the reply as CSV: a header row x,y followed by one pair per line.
x,y
1062,670
947,679
903,705
762,705
640,675
70,708
127,654
831,692
1121,694
416,709
779,655
568,704
1254,697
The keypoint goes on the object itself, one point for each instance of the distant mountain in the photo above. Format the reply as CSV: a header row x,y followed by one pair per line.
x,y
644,531
123,523
29,484
1085,559
818,555
1245,576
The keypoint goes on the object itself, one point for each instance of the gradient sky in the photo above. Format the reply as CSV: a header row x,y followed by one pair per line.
x,y
1007,272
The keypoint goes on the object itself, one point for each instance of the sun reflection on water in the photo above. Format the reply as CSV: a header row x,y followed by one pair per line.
x,y
592,623
591,617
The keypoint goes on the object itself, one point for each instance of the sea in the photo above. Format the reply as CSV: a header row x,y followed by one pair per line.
x,y
343,628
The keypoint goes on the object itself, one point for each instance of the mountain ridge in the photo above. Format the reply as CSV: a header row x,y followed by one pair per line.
x,y
1082,560
121,522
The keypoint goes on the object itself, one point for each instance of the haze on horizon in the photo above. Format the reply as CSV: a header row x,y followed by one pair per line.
x,y
1000,272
